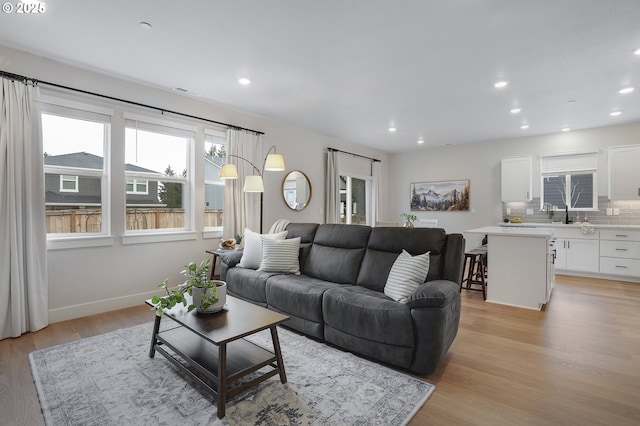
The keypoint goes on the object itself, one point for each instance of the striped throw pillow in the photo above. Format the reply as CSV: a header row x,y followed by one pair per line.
x,y
281,256
406,275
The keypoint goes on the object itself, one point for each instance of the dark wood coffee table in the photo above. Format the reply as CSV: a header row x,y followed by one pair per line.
x,y
226,357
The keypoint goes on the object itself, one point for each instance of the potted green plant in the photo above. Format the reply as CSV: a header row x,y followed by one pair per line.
x,y
206,295
238,239
409,219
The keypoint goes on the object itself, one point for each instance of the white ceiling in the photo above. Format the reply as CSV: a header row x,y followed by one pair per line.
x,y
352,68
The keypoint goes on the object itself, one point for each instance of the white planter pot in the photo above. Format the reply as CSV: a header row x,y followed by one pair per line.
x,y
221,293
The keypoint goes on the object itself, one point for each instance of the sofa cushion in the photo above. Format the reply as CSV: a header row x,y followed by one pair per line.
x,y
369,315
407,273
384,246
252,253
280,256
248,284
297,295
336,253
306,231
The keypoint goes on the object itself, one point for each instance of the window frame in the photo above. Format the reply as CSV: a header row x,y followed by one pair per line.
x,y
221,138
135,183
173,128
80,111
112,174
65,178
567,165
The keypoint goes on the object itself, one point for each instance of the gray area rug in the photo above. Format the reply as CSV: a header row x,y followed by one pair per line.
x,y
110,380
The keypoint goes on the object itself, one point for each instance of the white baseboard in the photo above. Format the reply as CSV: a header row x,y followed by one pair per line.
x,y
598,276
98,307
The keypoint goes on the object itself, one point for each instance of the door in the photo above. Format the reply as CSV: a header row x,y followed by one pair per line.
x,y
354,200
583,255
561,253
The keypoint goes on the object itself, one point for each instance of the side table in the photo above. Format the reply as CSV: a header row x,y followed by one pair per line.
x,y
216,255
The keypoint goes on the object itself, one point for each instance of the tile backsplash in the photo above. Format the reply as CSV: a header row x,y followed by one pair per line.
x,y
629,212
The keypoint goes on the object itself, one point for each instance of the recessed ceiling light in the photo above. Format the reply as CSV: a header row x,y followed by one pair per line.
x,y
615,113
515,110
392,129
626,90
244,81
145,25
524,126
566,129
500,84
420,141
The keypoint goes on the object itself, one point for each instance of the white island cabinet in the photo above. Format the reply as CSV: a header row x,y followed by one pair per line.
x,y
520,265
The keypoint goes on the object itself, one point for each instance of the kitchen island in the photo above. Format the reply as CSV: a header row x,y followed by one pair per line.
x,y
520,265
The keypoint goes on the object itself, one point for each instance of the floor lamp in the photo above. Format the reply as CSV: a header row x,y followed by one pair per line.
x,y
254,183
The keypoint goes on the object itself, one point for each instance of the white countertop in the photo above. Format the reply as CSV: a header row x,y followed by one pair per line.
x,y
562,225
514,231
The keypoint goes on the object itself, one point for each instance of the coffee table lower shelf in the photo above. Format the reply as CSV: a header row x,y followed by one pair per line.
x,y
239,358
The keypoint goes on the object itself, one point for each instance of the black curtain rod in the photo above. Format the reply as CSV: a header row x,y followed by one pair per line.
x,y
35,82
355,155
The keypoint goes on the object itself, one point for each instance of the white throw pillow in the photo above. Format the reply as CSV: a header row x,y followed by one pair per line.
x,y
252,252
406,275
280,256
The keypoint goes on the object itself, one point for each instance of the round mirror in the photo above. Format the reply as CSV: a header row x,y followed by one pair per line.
x,y
296,190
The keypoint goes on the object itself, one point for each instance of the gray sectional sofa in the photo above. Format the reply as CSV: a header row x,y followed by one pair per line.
x,y
339,295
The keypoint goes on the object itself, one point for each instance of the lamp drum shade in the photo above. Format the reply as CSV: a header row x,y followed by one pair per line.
x,y
229,171
274,163
253,184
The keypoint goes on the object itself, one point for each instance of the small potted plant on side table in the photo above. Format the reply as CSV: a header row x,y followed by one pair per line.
x,y
208,295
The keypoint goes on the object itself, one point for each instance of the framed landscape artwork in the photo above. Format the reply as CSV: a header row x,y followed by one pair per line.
x,y
442,196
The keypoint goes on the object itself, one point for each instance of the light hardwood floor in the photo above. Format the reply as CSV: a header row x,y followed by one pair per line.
x,y
577,363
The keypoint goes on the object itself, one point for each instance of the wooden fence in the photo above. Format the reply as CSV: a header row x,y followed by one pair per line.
x,y
86,220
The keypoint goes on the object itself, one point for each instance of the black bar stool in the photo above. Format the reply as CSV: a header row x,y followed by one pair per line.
x,y
476,267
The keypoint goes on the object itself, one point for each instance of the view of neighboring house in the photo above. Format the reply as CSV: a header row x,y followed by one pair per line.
x,y
69,191
74,200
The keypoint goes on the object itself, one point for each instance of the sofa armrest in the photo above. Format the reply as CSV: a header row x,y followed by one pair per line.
x,y
434,294
230,258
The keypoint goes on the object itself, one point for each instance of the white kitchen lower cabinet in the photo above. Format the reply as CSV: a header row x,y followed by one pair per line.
x,y
620,252
575,251
580,255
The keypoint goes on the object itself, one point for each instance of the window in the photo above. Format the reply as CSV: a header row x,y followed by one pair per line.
x,y
215,155
74,142
68,183
158,173
354,200
137,186
569,180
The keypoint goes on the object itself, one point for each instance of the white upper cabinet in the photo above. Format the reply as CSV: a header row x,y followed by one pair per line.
x,y
516,179
624,172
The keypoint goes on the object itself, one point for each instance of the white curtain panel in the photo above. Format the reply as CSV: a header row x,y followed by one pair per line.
x,y
332,189
242,209
23,235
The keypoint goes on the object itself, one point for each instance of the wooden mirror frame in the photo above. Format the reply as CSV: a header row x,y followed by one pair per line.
x,y
285,193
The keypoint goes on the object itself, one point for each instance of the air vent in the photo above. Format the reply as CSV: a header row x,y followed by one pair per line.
x,y
186,91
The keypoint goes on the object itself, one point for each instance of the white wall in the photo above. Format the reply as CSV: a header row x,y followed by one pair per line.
x,y
97,279
480,163
90,280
